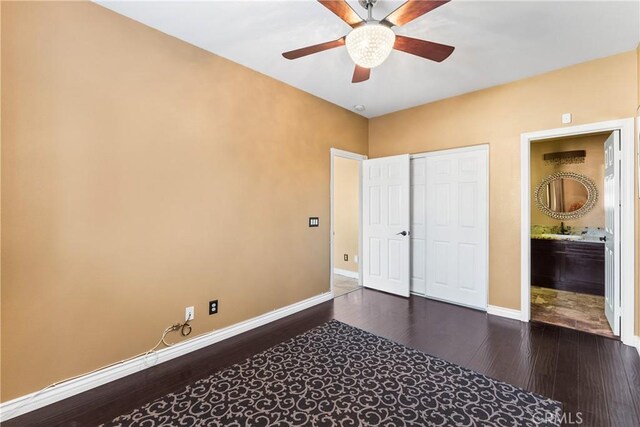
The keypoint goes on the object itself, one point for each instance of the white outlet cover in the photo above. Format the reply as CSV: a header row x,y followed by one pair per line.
x,y
355,259
189,313
566,118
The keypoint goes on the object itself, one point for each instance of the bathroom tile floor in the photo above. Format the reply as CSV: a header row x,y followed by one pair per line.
x,y
343,285
570,309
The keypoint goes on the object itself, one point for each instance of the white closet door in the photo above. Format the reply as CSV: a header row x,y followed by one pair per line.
x,y
611,227
418,225
457,226
386,216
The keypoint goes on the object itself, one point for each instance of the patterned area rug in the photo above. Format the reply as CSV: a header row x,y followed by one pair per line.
x,y
339,375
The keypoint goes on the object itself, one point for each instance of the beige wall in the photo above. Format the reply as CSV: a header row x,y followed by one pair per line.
x,y
594,91
346,214
592,168
142,175
637,223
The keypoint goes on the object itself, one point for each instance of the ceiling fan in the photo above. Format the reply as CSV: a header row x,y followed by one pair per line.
x,y
370,42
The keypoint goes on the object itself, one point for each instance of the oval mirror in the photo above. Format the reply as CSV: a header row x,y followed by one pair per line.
x,y
566,195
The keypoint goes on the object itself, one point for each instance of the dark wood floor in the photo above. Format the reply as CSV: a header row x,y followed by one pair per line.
x,y
594,376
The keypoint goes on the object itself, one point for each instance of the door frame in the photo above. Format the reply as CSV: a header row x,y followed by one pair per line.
x,y
470,148
627,231
335,152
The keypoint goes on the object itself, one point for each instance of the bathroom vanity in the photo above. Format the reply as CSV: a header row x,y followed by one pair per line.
x,y
568,265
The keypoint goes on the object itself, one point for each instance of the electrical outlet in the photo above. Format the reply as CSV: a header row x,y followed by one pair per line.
x,y
189,313
355,259
346,257
213,307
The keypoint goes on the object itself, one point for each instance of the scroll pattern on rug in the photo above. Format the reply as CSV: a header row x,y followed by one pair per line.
x,y
339,375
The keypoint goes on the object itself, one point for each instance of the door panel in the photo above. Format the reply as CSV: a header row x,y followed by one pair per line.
x,y
386,214
467,256
456,227
375,256
611,227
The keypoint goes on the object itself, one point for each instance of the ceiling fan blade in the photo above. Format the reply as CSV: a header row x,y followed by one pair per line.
x,y
411,10
360,74
423,48
342,9
304,51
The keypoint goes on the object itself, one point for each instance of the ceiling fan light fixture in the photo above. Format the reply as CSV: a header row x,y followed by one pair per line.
x,y
370,45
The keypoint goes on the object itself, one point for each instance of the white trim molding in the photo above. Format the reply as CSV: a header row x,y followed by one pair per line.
x,y
509,313
38,399
346,273
627,199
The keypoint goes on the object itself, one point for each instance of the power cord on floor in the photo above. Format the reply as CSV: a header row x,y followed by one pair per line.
x,y
176,326
185,330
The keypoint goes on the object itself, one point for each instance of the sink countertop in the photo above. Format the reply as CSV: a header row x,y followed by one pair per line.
x,y
577,238
592,239
547,232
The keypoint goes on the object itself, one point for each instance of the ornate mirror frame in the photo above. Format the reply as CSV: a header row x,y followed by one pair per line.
x,y
592,196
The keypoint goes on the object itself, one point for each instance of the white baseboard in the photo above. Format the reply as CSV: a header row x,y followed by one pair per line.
x,y
33,401
509,313
347,273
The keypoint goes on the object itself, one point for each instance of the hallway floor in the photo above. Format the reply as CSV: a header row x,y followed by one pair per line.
x,y
570,309
343,285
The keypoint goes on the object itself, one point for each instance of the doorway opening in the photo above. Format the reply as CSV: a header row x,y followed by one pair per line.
x,y
568,232
346,222
577,228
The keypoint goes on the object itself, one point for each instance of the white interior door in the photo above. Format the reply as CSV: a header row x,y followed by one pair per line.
x,y
611,228
418,225
457,226
386,201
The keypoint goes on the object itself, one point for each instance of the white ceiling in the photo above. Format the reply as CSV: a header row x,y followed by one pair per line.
x,y
496,42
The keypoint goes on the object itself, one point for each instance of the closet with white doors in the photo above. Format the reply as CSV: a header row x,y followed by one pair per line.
x,y
446,232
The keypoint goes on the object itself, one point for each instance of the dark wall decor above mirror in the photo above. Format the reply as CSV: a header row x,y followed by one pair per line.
x,y
566,195
565,157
